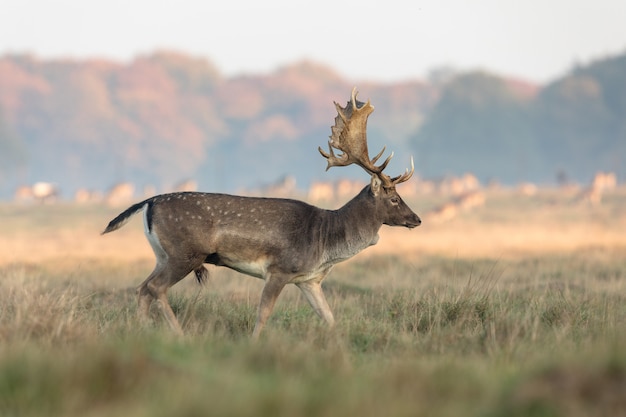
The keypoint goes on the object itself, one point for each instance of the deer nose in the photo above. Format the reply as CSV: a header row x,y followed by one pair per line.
x,y
414,222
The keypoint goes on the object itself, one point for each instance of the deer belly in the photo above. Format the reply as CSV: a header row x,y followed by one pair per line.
x,y
256,268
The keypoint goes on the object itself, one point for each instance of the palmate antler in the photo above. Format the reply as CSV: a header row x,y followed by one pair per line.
x,y
349,135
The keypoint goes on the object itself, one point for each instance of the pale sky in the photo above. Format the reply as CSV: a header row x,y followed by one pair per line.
x,y
384,40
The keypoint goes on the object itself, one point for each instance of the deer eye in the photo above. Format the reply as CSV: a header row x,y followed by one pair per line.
x,y
394,200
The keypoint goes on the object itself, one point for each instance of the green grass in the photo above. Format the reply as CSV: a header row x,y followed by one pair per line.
x,y
431,336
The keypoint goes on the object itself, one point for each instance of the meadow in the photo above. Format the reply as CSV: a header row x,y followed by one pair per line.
x,y
517,308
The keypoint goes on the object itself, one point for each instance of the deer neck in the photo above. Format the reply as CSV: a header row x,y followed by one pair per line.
x,y
353,227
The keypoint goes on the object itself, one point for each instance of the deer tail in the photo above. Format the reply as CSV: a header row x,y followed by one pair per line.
x,y
125,216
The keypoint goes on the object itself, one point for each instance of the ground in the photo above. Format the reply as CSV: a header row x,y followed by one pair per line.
x,y
514,308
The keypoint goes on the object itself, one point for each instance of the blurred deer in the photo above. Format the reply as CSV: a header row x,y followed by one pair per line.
x,y
42,192
281,241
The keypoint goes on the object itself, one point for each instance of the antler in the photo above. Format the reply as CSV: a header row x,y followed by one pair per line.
x,y
405,176
349,135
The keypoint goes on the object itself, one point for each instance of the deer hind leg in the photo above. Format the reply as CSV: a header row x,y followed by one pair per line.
x,y
155,288
145,299
271,291
312,290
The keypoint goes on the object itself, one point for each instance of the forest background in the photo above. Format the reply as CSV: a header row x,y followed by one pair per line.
x,y
167,116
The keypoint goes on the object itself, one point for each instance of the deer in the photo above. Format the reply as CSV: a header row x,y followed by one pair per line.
x,y
281,241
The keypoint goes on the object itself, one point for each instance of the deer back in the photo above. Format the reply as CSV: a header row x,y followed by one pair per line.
x,y
236,230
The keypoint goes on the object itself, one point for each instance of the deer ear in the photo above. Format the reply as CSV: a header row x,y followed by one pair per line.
x,y
375,185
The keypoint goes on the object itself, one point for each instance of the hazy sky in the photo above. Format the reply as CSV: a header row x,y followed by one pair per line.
x,y
383,39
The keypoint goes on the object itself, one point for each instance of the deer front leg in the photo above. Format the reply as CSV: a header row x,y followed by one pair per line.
x,y
271,291
312,290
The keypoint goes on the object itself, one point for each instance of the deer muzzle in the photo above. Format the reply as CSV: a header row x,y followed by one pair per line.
x,y
413,222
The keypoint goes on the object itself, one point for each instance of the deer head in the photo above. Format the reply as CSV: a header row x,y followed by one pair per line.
x,y
349,135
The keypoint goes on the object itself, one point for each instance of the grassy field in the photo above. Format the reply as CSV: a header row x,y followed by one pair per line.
x,y
517,308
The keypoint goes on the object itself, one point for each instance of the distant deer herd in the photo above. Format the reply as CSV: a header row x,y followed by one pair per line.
x,y
463,192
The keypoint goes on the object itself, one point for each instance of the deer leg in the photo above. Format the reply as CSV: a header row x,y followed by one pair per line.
x,y
312,290
271,291
155,288
144,300
145,297
169,315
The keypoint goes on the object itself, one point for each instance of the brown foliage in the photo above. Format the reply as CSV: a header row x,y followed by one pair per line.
x,y
156,119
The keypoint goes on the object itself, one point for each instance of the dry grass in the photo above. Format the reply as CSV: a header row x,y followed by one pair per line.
x,y
516,309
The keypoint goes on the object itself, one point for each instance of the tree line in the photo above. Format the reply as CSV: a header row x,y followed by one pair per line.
x,y
168,116
510,131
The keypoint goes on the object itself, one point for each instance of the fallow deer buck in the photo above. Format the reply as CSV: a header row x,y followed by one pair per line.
x,y
281,241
